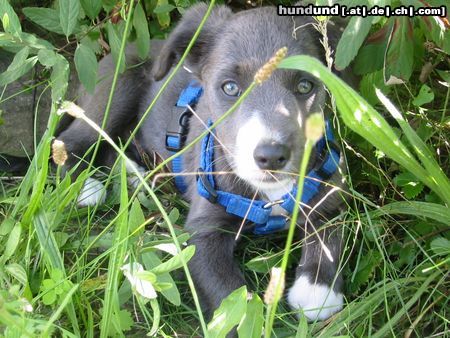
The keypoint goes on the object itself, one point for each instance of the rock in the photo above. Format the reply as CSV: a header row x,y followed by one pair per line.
x,y
25,104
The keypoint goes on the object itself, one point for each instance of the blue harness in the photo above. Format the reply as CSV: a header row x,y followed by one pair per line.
x,y
255,211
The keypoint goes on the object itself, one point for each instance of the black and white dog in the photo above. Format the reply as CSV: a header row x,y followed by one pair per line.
x,y
260,144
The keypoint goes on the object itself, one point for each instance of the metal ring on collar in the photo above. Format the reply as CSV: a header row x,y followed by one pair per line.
x,y
272,203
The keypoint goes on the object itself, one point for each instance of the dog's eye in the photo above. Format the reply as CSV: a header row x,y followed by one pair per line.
x,y
305,86
231,88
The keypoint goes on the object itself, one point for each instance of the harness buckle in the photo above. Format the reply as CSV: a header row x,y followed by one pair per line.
x,y
178,128
323,157
272,203
212,193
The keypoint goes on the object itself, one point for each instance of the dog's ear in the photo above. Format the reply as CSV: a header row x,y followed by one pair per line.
x,y
179,39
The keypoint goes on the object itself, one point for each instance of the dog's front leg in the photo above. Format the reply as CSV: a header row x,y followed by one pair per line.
x,y
318,286
213,268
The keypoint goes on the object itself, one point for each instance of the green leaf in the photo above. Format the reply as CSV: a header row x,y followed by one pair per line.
x,y
263,264
412,189
13,74
425,96
126,320
87,67
5,21
351,40
147,276
369,83
163,16
370,59
49,298
59,78
445,75
136,219
252,324
302,329
176,261
400,53
12,242
229,313
163,8
19,58
174,215
18,272
115,40
91,7
57,275
150,260
13,24
409,183
365,269
48,284
91,40
18,67
47,18
142,34
6,226
440,246
26,40
68,15
47,57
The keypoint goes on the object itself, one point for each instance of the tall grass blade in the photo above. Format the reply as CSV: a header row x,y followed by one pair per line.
x,y
359,116
423,152
116,259
433,211
395,318
53,258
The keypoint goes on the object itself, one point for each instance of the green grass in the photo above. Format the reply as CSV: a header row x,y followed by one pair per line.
x,y
60,266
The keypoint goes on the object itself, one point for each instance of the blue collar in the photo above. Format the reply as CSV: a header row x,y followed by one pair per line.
x,y
256,211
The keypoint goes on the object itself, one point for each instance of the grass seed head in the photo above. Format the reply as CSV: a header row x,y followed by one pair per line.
x,y
276,278
265,71
59,152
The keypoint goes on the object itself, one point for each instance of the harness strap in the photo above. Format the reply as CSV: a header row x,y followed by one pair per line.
x,y
259,211
256,211
179,126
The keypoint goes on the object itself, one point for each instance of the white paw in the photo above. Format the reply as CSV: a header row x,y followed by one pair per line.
x,y
92,193
133,180
317,301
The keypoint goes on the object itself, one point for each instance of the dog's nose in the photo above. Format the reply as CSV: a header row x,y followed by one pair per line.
x,y
271,156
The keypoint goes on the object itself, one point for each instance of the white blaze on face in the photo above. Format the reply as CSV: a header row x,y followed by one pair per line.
x,y
281,109
249,135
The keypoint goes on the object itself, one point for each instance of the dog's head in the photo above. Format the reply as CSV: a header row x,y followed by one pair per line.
x,y
263,139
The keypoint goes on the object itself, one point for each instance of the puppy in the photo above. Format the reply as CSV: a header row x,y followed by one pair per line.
x,y
259,145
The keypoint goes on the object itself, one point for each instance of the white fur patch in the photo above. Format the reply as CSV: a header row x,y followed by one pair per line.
x,y
281,108
275,192
317,301
248,137
132,179
92,193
